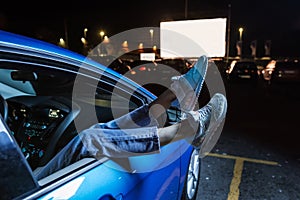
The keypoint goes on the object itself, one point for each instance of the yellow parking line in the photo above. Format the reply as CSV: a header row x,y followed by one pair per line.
x,y
243,158
234,191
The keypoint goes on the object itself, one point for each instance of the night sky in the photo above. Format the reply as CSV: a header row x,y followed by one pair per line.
x,y
278,21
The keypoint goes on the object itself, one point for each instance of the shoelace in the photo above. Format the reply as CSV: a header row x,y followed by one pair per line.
x,y
203,114
205,110
199,116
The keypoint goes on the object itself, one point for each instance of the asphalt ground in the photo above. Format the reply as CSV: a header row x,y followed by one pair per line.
x,y
258,153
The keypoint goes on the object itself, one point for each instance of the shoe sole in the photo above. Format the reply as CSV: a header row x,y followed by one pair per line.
x,y
212,135
201,66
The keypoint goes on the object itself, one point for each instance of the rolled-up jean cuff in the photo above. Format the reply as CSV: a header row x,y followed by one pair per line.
x,y
121,143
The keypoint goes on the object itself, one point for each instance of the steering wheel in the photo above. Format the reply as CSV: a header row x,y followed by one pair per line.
x,y
3,107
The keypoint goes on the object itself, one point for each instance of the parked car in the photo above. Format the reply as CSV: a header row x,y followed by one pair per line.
x,y
268,70
242,70
39,110
282,71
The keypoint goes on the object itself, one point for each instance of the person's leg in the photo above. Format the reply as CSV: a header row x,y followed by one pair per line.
x,y
200,127
188,86
175,132
183,92
133,132
97,142
124,131
72,152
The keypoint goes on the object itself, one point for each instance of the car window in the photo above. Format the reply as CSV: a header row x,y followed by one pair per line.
x,y
41,113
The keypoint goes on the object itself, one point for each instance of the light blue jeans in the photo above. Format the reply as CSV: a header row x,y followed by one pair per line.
x,y
132,134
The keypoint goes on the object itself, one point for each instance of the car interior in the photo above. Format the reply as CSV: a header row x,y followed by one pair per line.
x,y
40,108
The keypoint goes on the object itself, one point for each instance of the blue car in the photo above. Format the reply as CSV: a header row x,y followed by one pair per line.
x,y
48,94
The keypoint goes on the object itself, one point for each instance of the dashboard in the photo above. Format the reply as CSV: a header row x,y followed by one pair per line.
x,y
38,124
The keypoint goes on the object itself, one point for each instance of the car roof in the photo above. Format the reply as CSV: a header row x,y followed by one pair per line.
x,y
39,48
31,44
47,50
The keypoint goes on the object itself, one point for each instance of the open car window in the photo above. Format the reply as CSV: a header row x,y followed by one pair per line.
x,y
42,108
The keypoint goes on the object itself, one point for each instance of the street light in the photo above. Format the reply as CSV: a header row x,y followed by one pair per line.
x,y
240,43
102,33
83,40
62,43
241,33
85,43
141,47
151,36
84,32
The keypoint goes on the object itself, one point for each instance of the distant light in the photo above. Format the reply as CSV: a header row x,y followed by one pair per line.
x,y
154,48
102,33
62,42
141,46
241,33
105,39
142,68
231,66
84,32
125,44
83,40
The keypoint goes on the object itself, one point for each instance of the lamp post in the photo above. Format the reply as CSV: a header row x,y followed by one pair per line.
x,y
151,36
62,43
102,33
84,42
239,43
241,33
101,47
84,32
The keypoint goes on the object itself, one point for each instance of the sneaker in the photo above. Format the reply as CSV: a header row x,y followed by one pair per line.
x,y
187,87
209,119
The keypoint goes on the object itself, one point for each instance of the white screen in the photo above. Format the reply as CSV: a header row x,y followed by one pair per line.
x,y
193,38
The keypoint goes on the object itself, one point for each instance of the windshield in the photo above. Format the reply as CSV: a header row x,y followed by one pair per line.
x,y
10,87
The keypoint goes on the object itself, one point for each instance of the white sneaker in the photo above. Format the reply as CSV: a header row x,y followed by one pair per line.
x,y
187,87
209,119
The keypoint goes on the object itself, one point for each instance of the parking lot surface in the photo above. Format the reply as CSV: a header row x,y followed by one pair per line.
x,y
257,155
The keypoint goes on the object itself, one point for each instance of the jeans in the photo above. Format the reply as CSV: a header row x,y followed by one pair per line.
x,y
132,134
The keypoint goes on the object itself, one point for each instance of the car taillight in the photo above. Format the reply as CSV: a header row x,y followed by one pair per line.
x,y
142,68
